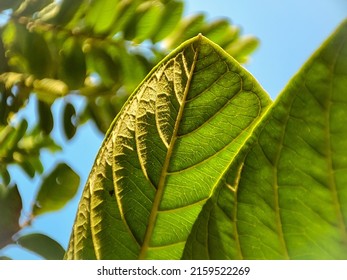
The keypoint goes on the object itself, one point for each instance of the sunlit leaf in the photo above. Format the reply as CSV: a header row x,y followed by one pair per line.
x,y
28,7
169,19
286,197
144,21
109,10
57,189
164,154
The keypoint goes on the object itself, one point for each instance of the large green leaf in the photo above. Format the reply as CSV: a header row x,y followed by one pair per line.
x,y
286,195
164,154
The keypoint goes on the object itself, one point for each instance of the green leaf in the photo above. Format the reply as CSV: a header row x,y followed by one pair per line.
x,y
28,7
67,10
57,189
286,197
102,14
48,90
10,209
169,19
108,67
43,245
9,4
187,28
144,21
10,136
73,64
69,122
164,154
45,117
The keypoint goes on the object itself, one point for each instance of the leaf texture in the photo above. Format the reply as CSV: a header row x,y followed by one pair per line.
x,y
164,154
285,196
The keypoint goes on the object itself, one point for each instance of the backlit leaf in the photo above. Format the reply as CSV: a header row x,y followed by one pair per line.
x,y
286,196
164,154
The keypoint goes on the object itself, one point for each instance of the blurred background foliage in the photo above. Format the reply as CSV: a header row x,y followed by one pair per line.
x,y
94,51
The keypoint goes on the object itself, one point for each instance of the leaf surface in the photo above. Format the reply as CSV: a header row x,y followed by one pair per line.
x,y
10,209
42,245
164,154
58,188
285,196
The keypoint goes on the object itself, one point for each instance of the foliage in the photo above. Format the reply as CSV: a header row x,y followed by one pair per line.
x,y
94,51
200,164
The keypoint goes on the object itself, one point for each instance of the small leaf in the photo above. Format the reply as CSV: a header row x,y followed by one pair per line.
x,y
187,28
9,4
67,10
144,22
43,245
27,8
69,120
73,65
57,189
48,90
36,52
45,116
241,48
107,66
101,15
169,19
10,209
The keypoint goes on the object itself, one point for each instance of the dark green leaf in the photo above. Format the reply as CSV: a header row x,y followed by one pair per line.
x,y
73,64
10,209
108,68
69,120
43,245
9,4
57,189
37,54
67,11
45,117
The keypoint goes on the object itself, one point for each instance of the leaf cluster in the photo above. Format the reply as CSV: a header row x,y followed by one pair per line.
x,y
201,164
93,51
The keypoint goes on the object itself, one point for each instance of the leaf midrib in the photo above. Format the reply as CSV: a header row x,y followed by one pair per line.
x,y
161,184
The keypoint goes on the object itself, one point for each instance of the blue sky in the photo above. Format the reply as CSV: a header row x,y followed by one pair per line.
x,y
289,31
